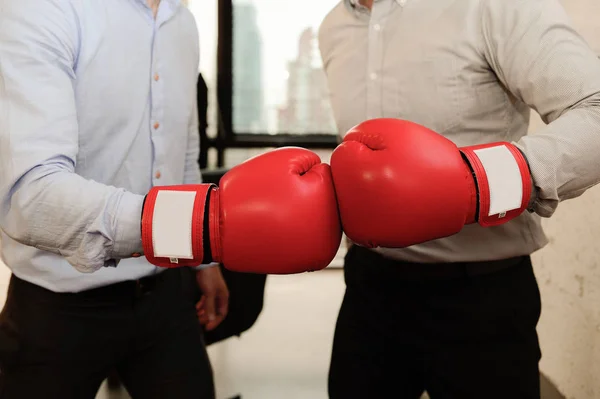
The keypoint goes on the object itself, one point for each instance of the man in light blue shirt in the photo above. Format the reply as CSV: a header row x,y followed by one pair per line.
x,y
97,105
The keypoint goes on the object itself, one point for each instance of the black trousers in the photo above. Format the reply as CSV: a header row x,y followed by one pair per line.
x,y
457,331
63,346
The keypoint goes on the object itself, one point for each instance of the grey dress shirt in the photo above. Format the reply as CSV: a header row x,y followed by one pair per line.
x,y
472,70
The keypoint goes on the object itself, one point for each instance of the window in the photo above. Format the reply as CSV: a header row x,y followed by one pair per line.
x,y
279,86
267,89
206,14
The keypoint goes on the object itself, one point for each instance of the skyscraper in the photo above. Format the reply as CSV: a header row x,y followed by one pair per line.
x,y
307,109
248,99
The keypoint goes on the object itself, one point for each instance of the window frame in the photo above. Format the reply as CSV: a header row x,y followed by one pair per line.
x,y
226,136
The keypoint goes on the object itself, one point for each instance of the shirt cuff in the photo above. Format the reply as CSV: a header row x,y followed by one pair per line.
x,y
206,266
128,231
534,191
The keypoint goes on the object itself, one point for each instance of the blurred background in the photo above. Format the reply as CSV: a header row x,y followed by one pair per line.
x,y
266,88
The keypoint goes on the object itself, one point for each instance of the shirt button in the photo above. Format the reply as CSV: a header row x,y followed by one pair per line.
x,y
377,27
157,175
373,76
156,77
402,3
156,125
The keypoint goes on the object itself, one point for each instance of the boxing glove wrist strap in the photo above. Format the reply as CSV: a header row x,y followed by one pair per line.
x,y
174,221
213,227
503,181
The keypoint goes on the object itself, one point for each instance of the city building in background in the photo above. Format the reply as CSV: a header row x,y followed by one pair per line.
x,y
307,109
248,101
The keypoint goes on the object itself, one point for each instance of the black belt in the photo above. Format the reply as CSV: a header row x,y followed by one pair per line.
x,y
370,259
124,290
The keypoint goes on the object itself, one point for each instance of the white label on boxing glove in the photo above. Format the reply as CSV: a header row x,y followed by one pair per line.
x,y
504,178
172,224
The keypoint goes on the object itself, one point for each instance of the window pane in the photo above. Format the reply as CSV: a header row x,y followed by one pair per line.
x,y
205,12
278,82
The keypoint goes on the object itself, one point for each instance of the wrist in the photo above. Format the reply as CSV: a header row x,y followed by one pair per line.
x,y
128,241
533,195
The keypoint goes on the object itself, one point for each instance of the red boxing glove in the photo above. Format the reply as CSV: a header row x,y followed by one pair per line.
x,y
400,184
175,225
275,213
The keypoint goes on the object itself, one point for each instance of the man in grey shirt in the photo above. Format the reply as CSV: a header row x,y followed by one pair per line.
x,y
457,316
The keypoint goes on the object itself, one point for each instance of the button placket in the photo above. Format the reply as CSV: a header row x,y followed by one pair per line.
x,y
157,110
375,59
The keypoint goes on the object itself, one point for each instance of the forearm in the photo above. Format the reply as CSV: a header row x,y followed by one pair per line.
x,y
92,225
563,156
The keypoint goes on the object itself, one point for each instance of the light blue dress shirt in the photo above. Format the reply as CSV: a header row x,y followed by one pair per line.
x,y
97,105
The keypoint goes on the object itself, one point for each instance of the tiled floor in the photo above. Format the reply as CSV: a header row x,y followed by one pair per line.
x,y
286,354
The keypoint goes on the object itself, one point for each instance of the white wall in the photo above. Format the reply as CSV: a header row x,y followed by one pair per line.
x,y
569,278
568,269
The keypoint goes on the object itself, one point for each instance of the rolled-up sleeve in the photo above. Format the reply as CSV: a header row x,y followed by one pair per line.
x,y
545,63
43,202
